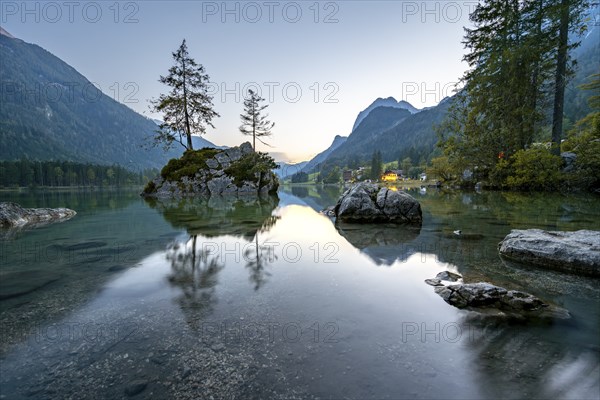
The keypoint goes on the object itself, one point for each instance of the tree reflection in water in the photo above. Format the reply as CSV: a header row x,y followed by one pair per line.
x,y
195,267
259,257
195,273
531,358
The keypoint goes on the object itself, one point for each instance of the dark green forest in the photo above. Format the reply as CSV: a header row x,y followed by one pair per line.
x,y
519,109
26,173
49,111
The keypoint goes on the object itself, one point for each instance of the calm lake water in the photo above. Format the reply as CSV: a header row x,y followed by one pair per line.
x,y
270,299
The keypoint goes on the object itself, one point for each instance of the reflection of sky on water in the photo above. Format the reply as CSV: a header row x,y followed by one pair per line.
x,y
391,335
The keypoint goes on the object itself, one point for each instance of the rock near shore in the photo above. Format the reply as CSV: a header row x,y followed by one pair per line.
x,y
575,252
368,203
13,215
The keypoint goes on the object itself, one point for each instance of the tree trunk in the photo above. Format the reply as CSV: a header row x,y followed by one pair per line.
x,y
194,252
561,68
188,132
536,72
253,128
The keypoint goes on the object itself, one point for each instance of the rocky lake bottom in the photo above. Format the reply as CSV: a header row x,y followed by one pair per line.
x,y
270,299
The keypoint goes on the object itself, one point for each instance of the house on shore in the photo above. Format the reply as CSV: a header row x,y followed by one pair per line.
x,y
389,176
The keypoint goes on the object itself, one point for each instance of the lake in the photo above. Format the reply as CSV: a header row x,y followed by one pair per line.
x,y
269,299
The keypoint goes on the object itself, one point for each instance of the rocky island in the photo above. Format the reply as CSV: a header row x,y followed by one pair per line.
x,y
236,171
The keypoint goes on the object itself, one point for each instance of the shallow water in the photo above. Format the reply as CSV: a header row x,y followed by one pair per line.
x,y
271,300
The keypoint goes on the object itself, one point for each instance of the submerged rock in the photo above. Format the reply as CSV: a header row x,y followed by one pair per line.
x,y
136,387
13,215
576,252
449,276
371,204
18,283
484,296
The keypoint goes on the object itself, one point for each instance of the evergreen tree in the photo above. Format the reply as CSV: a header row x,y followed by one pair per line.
x,y
406,165
187,109
376,167
584,141
568,18
253,123
514,51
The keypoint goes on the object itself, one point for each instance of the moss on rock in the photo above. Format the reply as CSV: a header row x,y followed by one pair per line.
x,y
188,164
206,172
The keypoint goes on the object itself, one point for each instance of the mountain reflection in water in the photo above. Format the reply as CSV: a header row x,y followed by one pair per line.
x,y
270,299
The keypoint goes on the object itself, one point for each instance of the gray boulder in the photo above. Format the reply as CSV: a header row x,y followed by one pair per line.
x,y
234,153
212,163
368,203
13,215
485,296
223,160
220,185
568,161
575,252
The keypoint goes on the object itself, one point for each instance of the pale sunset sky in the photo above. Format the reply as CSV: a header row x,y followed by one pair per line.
x,y
317,64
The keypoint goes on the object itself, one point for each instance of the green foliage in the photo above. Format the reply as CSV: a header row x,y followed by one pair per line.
x,y
300,177
334,176
188,164
499,173
150,187
534,169
49,111
405,165
25,173
513,57
442,169
252,167
253,122
376,167
414,172
584,141
394,132
577,102
188,108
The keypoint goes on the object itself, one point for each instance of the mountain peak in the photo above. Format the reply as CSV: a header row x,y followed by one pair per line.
x,y
319,158
5,33
387,102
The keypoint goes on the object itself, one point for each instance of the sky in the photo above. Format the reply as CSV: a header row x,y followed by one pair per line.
x,y
317,64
